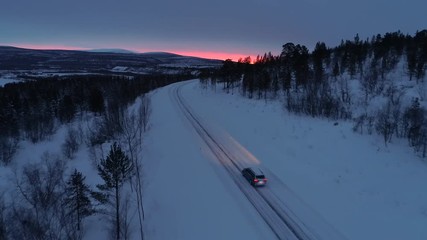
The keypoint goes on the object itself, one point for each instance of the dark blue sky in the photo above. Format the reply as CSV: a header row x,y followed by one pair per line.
x,y
245,27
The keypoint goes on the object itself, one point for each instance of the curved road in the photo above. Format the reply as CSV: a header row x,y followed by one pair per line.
x,y
283,222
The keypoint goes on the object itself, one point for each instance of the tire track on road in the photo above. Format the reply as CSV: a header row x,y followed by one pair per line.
x,y
268,211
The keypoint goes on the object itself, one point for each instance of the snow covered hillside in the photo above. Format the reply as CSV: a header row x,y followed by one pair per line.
x,y
348,182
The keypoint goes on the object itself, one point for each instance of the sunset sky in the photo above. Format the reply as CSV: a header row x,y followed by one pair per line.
x,y
216,29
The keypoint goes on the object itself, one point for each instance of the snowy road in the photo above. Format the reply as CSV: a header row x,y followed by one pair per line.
x,y
270,201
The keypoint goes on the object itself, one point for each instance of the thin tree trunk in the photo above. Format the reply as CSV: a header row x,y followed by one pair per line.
x,y
78,215
139,202
117,212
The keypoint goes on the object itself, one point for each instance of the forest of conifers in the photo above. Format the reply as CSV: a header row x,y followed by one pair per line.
x,y
321,83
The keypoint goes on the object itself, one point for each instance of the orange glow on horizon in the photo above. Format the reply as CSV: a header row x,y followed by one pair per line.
x,y
213,55
201,54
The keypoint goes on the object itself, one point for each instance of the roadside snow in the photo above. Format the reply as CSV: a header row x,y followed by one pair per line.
x,y
364,189
187,195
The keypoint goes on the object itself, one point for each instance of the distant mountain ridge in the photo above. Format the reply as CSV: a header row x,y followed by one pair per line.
x,y
112,50
98,61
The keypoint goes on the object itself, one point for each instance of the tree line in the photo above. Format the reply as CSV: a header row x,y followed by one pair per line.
x,y
34,110
317,83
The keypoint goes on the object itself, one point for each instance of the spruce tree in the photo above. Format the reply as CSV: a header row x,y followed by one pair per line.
x,y
115,170
77,198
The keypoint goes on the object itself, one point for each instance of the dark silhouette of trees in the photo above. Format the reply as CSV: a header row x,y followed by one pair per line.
x,y
134,124
320,56
115,170
45,206
37,212
96,101
8,147
34,110
231,73
321,83
3,219
77,200
414,117
295,66
66,109
420,40
386,123
248,83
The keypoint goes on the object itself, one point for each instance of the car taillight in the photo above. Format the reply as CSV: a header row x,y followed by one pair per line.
x,y
255,180
265,179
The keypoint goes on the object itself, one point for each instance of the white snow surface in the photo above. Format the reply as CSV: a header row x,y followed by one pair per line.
x,y
329,176
358,186
119,69
4,81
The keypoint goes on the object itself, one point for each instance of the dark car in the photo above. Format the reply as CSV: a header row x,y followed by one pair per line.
x,y
255,176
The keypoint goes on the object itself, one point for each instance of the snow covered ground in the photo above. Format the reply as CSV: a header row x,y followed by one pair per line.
x,y
331,177
4,81
188,196
362,188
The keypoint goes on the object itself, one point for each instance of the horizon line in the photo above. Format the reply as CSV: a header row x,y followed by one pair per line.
x,y
215,55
